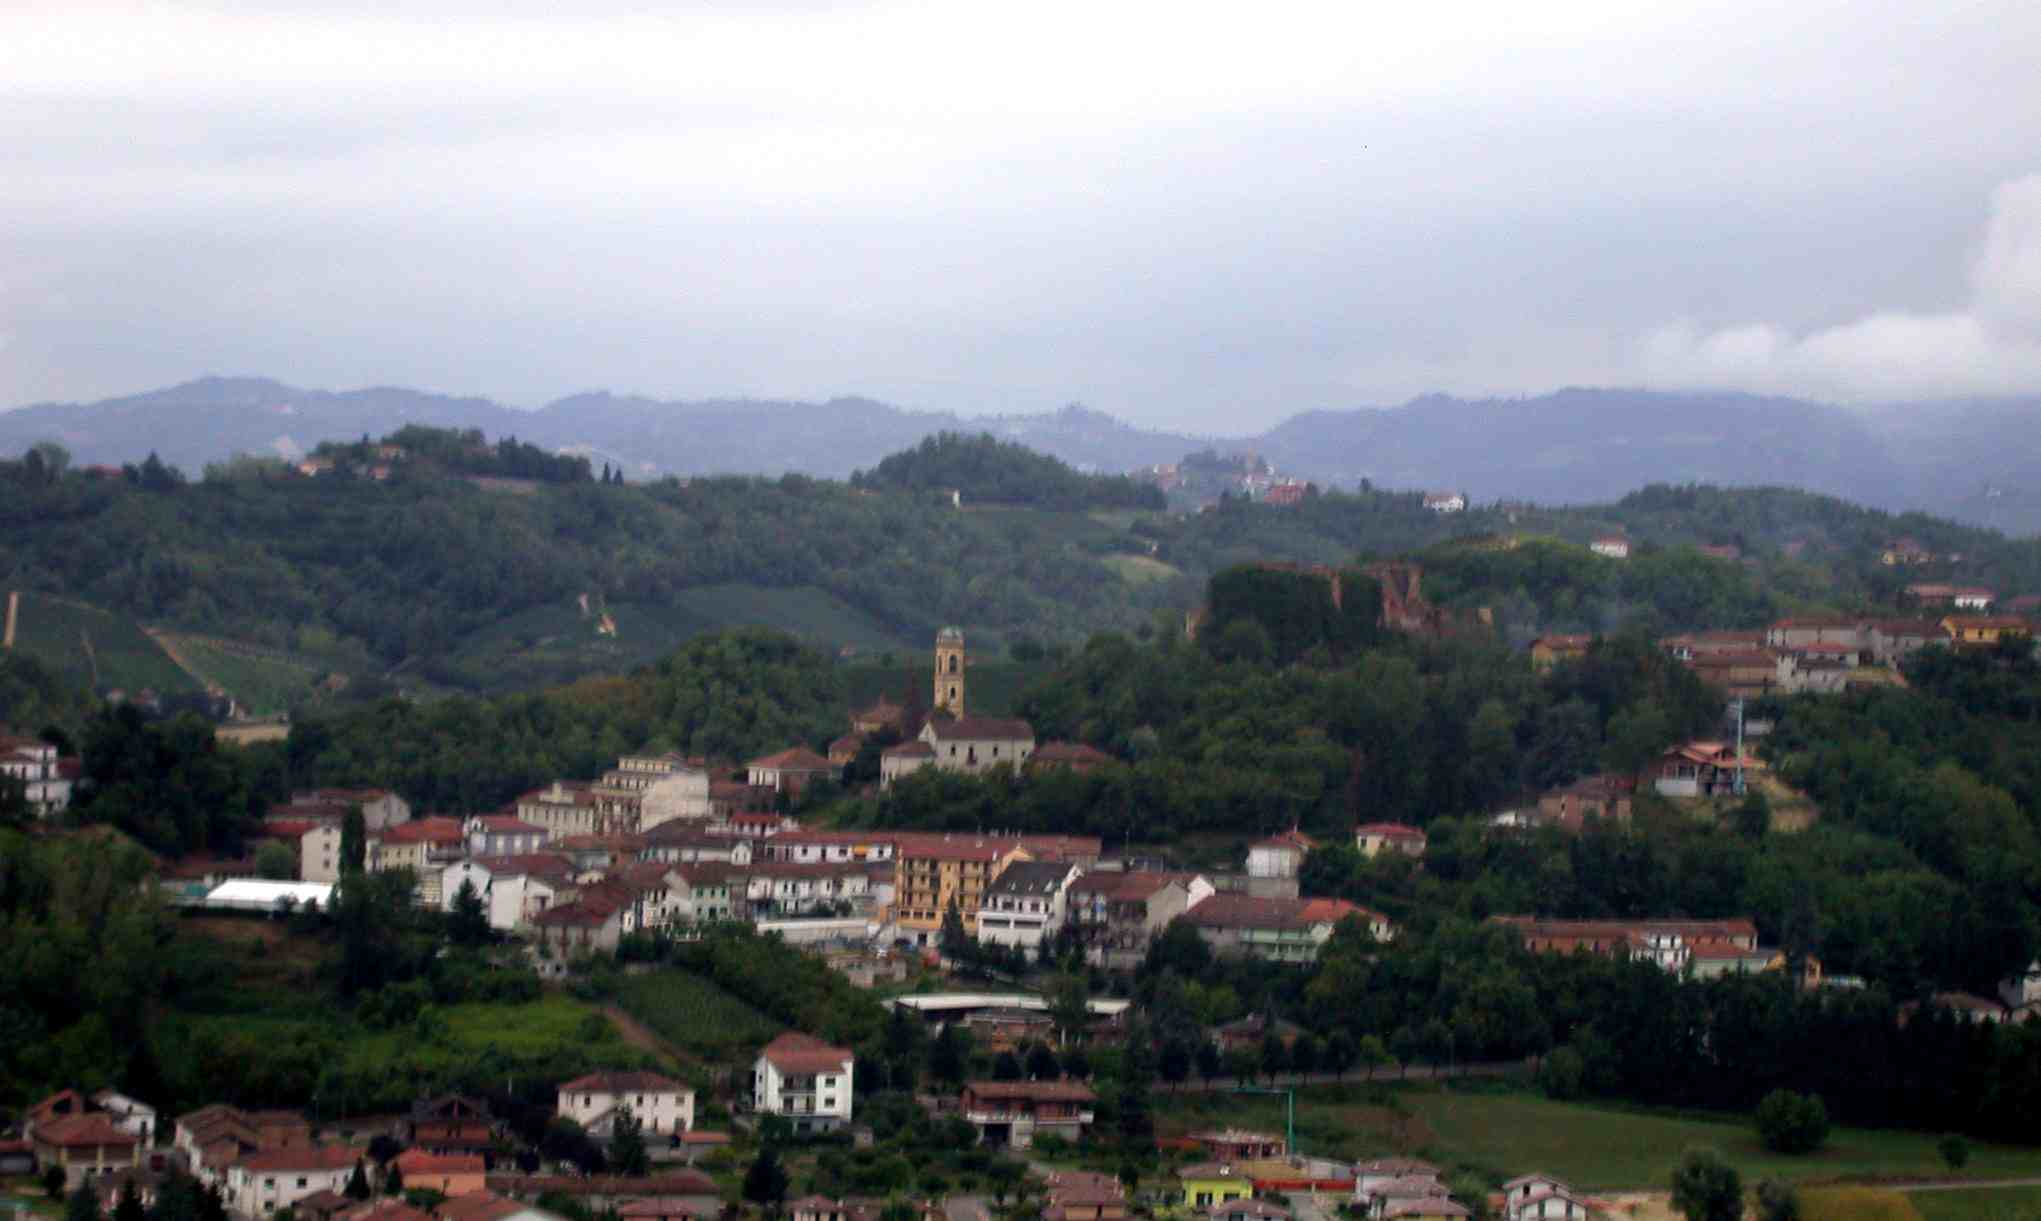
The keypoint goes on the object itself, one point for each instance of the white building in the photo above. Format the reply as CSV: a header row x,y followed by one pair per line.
x,y
262,1183
319,854
1026,904
662,1104
805,1080
128,1114
41,773
1279,856
976,744
1445,502
1611,546
504,835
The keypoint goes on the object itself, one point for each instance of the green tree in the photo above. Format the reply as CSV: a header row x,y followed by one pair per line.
x,y
358,1183
1042,1063
468,921
1792,1123
1706,1188
393,1180
765,1183
354,841
1070,1007
81,1204
955,943
1955,1151
53,1182
627,1153
275,862
1778,1200
950,1057
1006,1067
128,1205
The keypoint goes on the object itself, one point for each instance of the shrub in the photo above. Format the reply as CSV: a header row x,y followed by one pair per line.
x,y
1955,1151
1792,1123
1562,1073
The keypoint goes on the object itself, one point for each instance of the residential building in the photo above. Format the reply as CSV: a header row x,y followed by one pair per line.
x,y
813,847
706,891
1985,631
904,759
130,1114
504,835
1238,1144
1689,645
1739,675
588,924
789,771
1894,640
85,1145
805,1080
1279,856
978,744
1378,837
1904,552
1954,597
451,1123
1549,651
881,715
1278,930
935,872
1405,1196
689,842
1611,546
1543,1198
843,751
647,790
449,1174
661,1104
1117,915
319,853
418,845
213,1138
1012,1114
1668,943
1591,797
266,1182
1371,1176
1794,633
1701,769
1068,756
520,887
563,808
380,808
784,888
46,779
1026,904
1445,502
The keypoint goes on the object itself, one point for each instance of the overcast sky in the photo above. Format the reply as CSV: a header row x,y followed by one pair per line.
x,y
1201,215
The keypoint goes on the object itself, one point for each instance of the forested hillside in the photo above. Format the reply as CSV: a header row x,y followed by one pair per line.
x,y
466,566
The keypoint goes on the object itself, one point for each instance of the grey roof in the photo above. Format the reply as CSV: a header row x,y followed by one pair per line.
x,y
1030,878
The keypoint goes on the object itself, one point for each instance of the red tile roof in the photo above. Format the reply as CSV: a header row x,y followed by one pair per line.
x,y
798,1053
311,1157
418,1161
1036,1091
623,1083
435,830
83,1131
1389,830
794,759
982,729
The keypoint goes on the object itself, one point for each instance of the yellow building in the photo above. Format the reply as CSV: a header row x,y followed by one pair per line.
x,y
1985,629
933,872
1549,651
1209,1183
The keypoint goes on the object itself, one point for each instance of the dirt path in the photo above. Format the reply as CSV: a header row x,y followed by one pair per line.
x,y
643,1037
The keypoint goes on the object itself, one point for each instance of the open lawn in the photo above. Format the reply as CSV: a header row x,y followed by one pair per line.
x,y
695,1015
1599,1149
1978,1204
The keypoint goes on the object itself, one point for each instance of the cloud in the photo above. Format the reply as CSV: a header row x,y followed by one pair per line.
x,y
1990,346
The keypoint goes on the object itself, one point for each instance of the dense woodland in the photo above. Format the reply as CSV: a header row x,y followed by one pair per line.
x,y
990,471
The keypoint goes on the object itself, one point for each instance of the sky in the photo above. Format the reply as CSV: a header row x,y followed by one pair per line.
x,y
1201,216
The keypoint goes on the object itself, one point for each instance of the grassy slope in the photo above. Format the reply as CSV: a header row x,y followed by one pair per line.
x,y
55,631
696,1015
1508,1134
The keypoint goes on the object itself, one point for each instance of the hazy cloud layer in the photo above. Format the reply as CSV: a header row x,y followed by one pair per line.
x,y
1193,214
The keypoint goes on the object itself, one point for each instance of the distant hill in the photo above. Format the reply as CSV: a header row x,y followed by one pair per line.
x,y
1959,459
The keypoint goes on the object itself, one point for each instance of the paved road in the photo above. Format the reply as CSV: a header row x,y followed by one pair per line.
x,y
1969,1185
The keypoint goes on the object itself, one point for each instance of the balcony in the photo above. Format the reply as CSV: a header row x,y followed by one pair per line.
x,y
982,1116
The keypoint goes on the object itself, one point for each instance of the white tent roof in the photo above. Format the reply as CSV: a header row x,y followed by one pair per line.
x,y
251,891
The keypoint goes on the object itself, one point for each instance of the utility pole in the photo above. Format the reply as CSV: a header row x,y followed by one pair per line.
x,y
1738,706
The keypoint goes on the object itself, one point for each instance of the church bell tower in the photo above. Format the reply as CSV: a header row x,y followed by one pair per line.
x,y
949,672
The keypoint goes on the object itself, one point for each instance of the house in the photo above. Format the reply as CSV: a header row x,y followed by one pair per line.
x,y
1286,493
1894,640
1701,769
814,847
1117,915
487,1206
451,1123
1712,958
2022,990
599,1193
46,779
791,770
1985,631
1378,837
1025,904
1689,645
1278,930
1446,502
318,852
805,1080
1549,651
1720,551
1796,633
519,887
904,759
1279,856
1668,943
1400,1193
266,1182
661,1104
1739,675
676,1208
843,751
1250,1032
706,891
589,923
978,744
1611,546
449,1174
1963,1006
1371,1176
380,808
504,835
130,1114
1013,1114
880,715
935,872
1237,1144
1009,1029
1904,552
1956,597
418,845
1203,1184
1425,1208
1068,756
648,790
1542,1197
563,808
677,842
1084,1195
85,1145
1597,797
1246,1210
785,888
213,1138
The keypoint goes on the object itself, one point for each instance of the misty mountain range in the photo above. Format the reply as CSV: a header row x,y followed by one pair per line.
x,y
1974,461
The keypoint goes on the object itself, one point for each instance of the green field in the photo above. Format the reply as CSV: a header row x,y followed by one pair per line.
x,y
1978,1204
814,615
264,682
1140,569
695,1015
91,647
1596,1149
